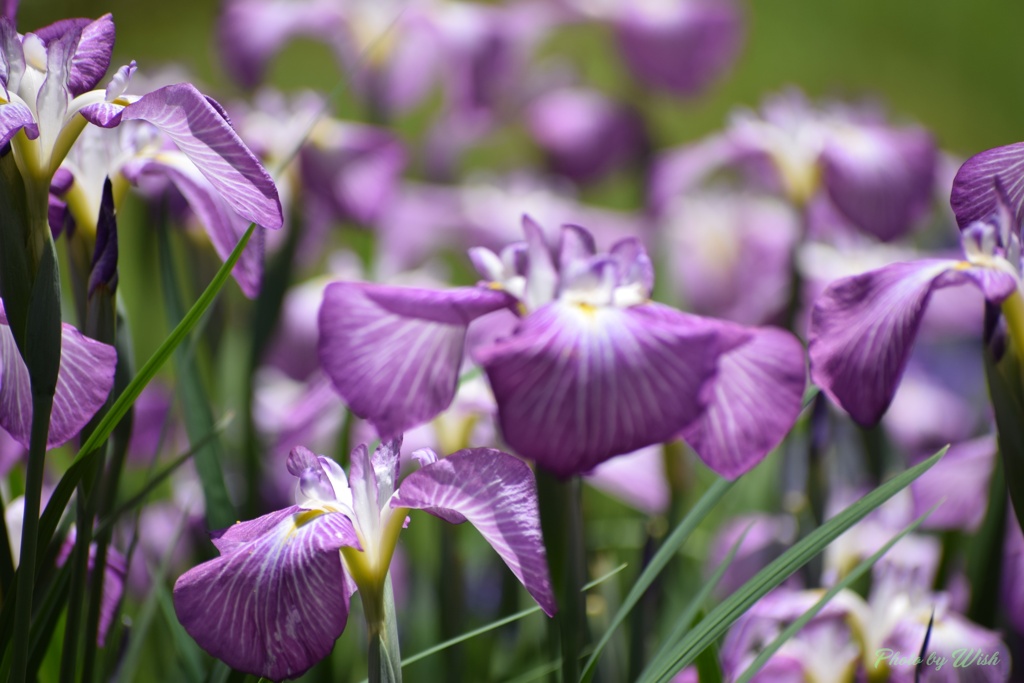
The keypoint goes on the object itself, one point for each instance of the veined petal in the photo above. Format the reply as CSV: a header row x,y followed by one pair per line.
x,y
366,499
12,55
386,462
183,114
576,385
497,494
880,179
53,97
862,328
394,353
755,399
273,604
103,114
92,54
15,116
224,227
83,382
974,192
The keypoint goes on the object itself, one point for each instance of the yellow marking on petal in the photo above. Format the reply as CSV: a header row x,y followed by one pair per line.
x,y
495,286
963,265
306,516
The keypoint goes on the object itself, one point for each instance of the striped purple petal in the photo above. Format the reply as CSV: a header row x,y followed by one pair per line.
x,y
199,130
756,397
224,227
497,494
275,601
863,327
92,54
576,385
14,117
85,377
974,192
394,353
881,179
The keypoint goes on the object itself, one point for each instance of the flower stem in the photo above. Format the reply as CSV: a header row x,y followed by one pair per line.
x,y
41,405
561,519
1013,311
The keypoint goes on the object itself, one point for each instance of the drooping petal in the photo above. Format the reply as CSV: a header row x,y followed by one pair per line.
x,y
756,397
497,494
85,377
862,328
974,192
881,179
274,603
92,54
14,117
394,353
186,116
638,479
224,227
576,385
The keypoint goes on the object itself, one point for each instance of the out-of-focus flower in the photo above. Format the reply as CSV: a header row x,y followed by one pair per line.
x,y
680,46
863,327
277,598
584,134
879,177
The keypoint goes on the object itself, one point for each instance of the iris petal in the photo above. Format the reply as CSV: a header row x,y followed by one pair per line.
x,y
394,353
85,377
576,385
863,327
274,603
186,116
756,397
497,494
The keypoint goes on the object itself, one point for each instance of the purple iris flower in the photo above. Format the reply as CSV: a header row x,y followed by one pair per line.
x,y
863,327
879,177
680,46
48,79
277,598
584,134
593,369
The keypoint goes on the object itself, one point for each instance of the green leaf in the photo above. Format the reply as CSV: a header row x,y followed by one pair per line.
x,y
660,560
689,615
1007,394
198,415
848,580
724,615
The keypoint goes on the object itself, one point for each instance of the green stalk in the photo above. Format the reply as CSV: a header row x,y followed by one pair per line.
x,y
561,518
41,406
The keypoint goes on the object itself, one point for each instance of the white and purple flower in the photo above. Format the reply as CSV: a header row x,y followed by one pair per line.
x,y
277,598
593,369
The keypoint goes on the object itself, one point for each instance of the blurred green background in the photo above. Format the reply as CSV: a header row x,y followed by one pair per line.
x,y
953,65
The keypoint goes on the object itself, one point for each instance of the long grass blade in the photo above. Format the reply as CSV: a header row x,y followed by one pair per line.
x,y
660,560
848,580
725,614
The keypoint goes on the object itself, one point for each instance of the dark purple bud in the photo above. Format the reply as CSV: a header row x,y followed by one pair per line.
x,y
104,258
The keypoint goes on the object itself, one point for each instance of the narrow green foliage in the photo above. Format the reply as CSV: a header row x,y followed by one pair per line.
x,y
724,615
860,570
658,563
